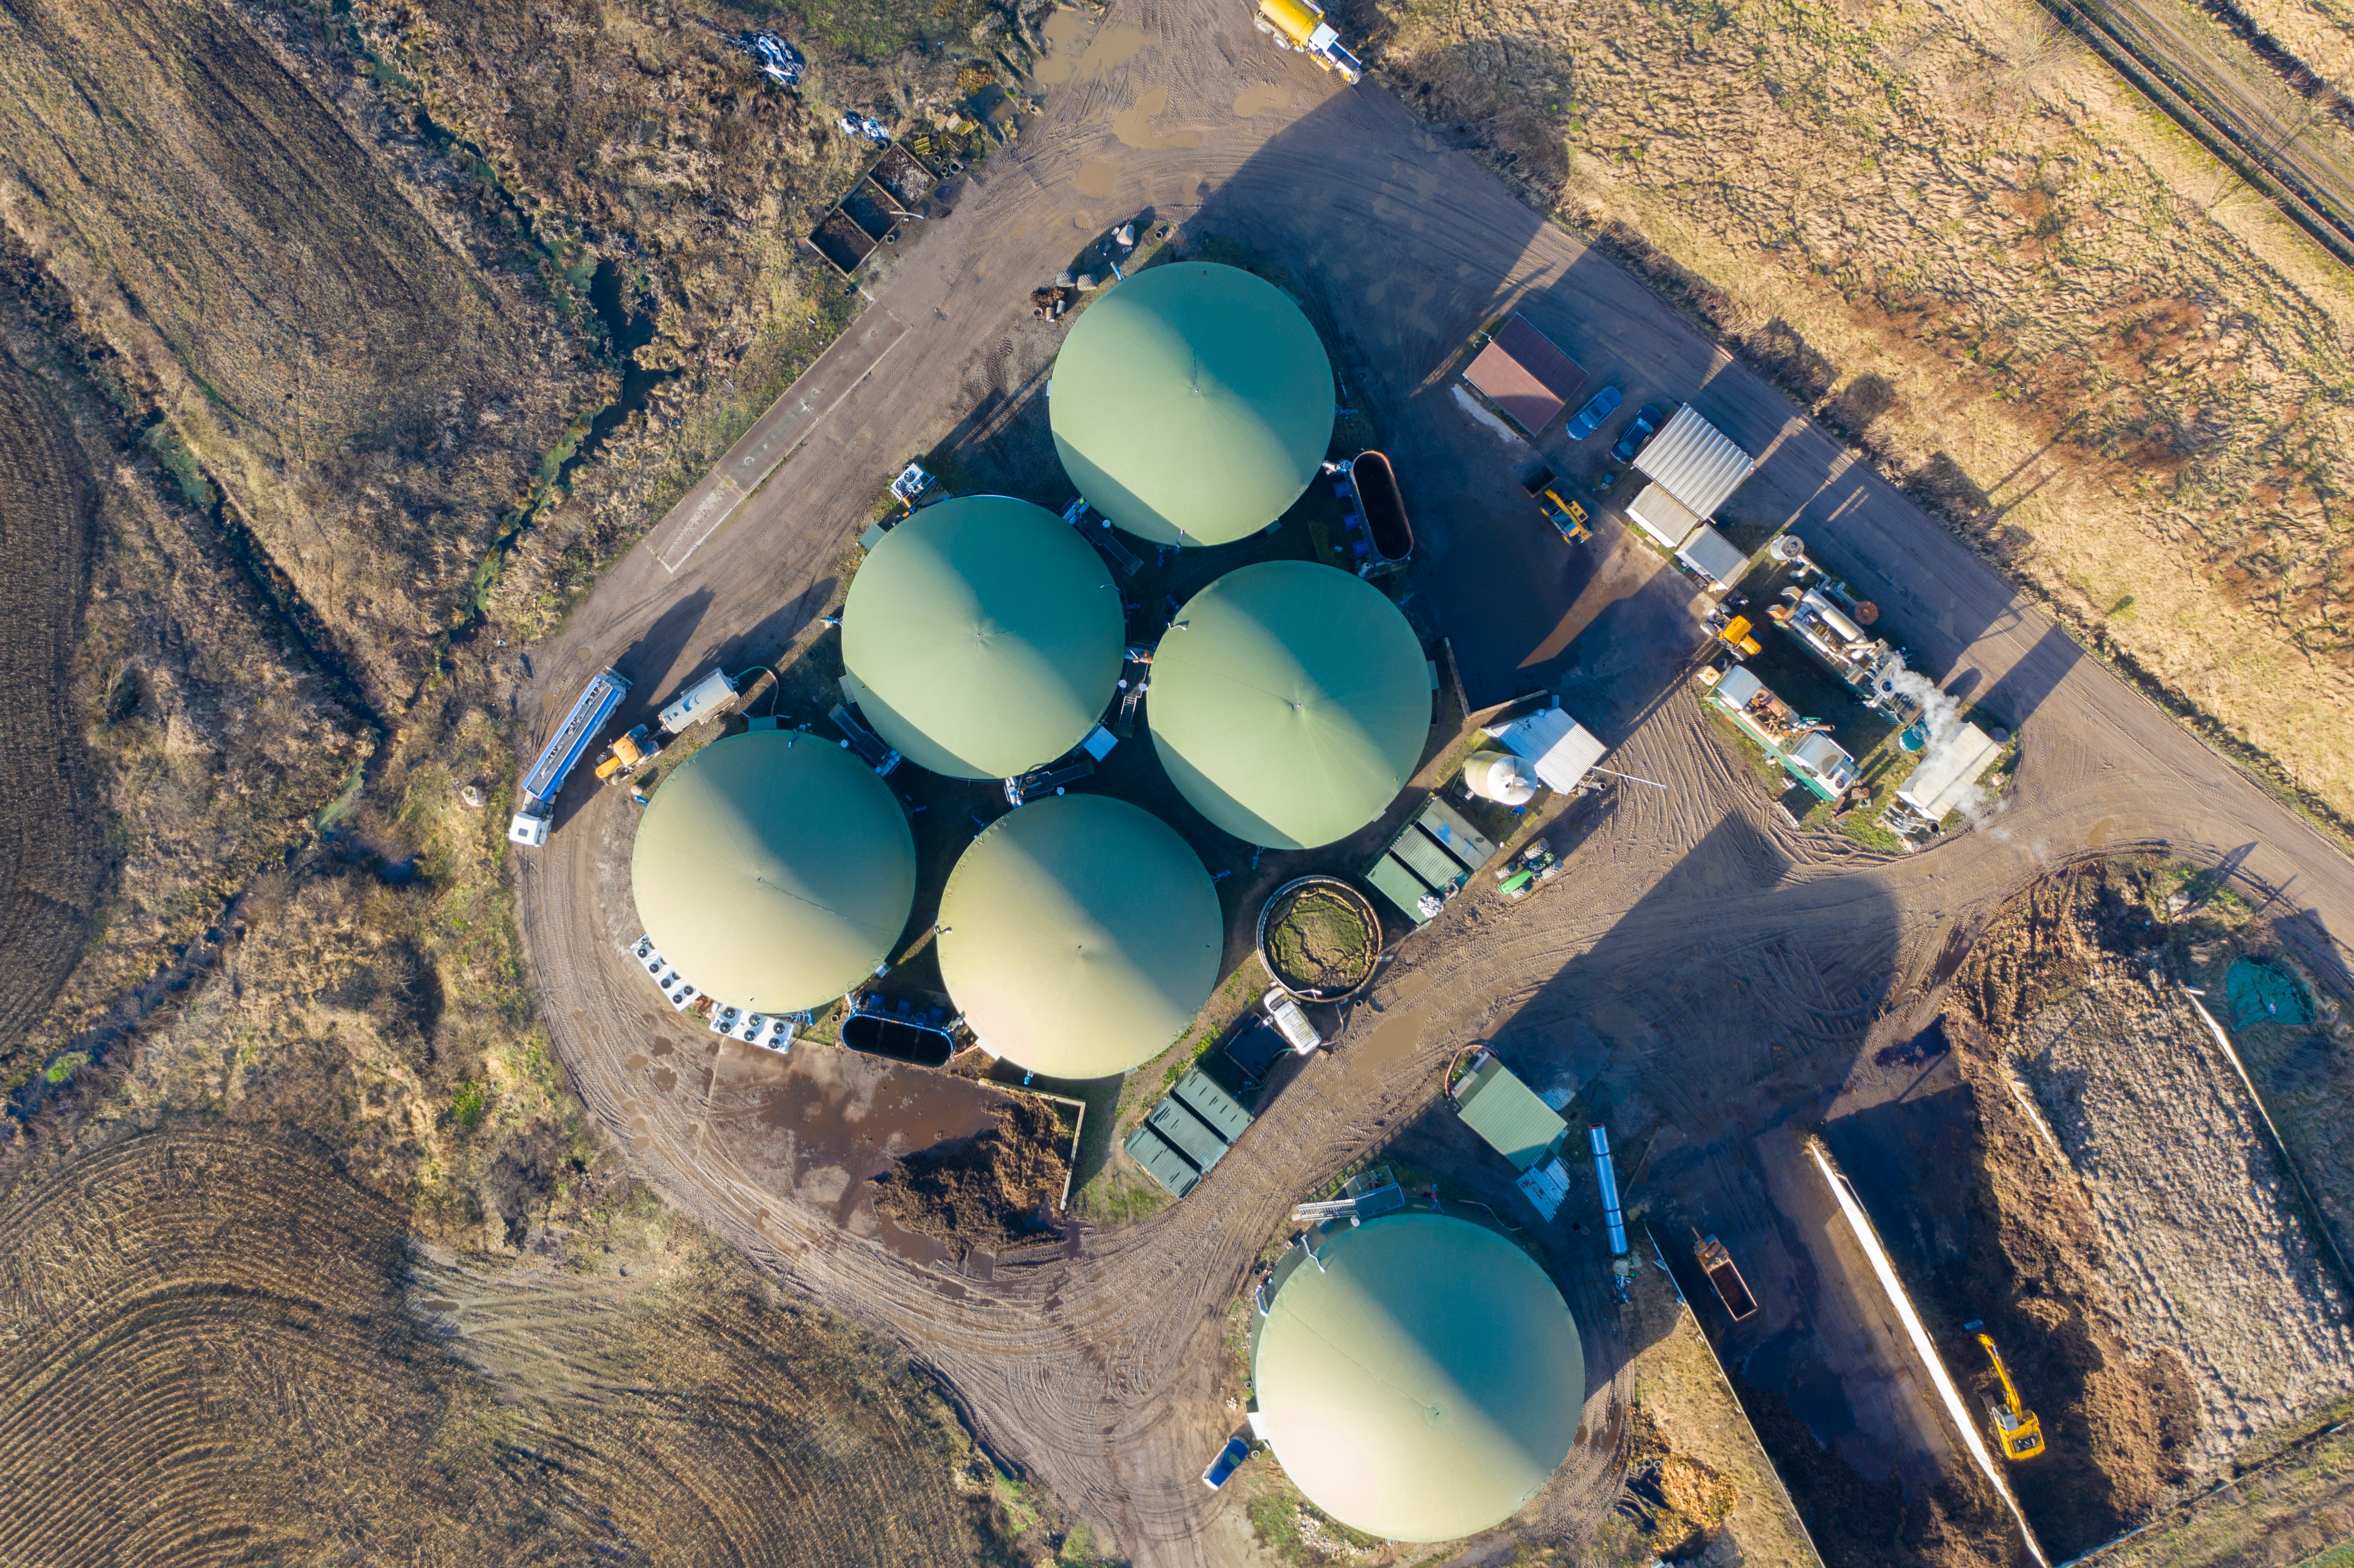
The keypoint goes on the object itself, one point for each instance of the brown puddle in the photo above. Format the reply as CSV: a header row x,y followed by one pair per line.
x,y
820,1123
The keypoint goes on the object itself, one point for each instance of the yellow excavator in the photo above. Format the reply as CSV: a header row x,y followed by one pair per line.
x,y
2015,1426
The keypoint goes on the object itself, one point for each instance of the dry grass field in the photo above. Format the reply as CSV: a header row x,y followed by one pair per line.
x,y
356,356
219,1350
2110,367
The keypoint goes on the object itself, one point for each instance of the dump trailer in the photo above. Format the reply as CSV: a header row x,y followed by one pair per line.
x,y
1731,1288
1300,25
535,805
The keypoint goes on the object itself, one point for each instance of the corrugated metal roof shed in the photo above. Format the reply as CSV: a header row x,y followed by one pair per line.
x,y
1662,516
1695,463
1213,1105
1524,373
1714,556
1501,1109
1162,1163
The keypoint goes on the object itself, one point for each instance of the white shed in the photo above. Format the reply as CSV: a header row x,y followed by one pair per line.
x,y
1662,516
1562,750
1714,556
1695,463
1948,773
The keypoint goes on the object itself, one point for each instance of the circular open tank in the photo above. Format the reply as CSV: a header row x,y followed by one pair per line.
x,y
1319,939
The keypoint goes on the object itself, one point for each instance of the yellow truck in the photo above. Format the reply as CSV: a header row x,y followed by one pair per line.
x,y
1300,25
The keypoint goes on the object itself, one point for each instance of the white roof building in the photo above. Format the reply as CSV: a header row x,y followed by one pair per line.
x,y
1562,750
1948,773
1714,556
1692,467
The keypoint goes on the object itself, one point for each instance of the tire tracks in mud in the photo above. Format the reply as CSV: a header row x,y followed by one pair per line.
x,y
1742,962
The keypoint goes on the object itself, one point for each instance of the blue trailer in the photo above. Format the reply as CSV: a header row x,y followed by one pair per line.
x,y
535,805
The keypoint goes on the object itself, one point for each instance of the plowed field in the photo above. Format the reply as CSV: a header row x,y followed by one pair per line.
x,y
49,865
215,1349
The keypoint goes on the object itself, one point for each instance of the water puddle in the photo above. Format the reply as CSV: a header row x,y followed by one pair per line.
x,y
1096,180
1134,128
1257,99
1075,52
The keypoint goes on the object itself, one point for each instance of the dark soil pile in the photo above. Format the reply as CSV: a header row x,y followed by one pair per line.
x,y
2117,1428
1320,940
994,1191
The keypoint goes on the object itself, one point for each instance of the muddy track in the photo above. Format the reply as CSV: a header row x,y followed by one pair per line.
x,y
50,863
1733,965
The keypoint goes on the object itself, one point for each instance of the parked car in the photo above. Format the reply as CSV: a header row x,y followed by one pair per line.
x,y
1597,408
1228,1461
1638,430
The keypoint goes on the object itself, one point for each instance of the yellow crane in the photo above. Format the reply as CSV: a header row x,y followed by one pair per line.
x,y
2015,1426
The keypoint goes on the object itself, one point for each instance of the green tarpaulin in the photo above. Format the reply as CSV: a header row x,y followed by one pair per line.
x,y
982,636
774,871
1079,934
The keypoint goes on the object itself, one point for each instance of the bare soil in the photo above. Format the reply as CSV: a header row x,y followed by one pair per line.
x,y
2156,1291
206,1331
51,864
2291,1511
995,1189
1321,942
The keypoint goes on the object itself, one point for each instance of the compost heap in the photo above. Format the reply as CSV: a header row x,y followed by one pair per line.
x,y
994,1190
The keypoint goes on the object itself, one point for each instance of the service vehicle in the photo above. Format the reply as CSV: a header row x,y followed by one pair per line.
x,y
1569,516
1731,1288
1230,1459
1291,1019
714,693
626,753
2016,1429
534,815
1299,26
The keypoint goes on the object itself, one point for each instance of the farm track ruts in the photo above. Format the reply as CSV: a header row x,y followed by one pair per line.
x,y
209,1334
50,861
2204,96
1738,967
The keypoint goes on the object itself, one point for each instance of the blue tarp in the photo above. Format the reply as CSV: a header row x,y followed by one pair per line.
x,y
2264,993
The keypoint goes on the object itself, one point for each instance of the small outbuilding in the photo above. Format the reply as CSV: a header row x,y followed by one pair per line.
x,y
1192,404
1419,1375
774,871
1521,372
1692,467
1289,703
1717,560
982,636
1079,936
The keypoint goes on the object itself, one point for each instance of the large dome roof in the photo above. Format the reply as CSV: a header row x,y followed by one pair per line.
x,y
982,636
773,875
1292,706
1192,404
1080,936
1424,1382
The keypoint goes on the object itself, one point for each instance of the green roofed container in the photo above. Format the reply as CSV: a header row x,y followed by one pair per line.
x,y
775,871
1192,404
1289,703
1503,1111
982,636
1424,1382
1079,934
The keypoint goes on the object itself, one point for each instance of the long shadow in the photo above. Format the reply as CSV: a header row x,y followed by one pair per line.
x,y
1707,1031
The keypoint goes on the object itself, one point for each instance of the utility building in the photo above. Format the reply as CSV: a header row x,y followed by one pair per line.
x,y
1521,372
1692,467
981,637
1419,1375
1080,936
1289,703
1192,404
774,871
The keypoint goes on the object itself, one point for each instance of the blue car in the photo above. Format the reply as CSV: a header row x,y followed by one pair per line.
x,y
1589,418
1228,1461
1639,430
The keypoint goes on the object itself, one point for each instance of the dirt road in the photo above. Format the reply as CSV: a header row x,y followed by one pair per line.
x,y
1713,963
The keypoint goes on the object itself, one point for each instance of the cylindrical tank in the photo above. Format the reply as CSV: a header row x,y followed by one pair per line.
x,y
1837,620
1787,548
1500,776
